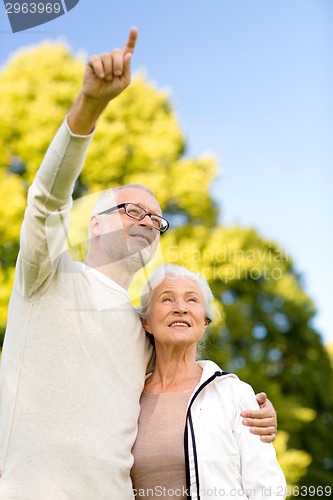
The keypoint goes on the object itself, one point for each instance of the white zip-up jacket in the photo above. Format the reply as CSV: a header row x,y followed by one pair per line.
x,y
223,458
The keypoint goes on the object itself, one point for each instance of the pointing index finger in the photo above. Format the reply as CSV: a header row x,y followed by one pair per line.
x,y
130,44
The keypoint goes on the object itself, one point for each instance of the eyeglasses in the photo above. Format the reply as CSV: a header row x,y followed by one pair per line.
x,y
138,213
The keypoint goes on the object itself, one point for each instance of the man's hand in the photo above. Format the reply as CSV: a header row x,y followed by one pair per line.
x,y
105,77
262,422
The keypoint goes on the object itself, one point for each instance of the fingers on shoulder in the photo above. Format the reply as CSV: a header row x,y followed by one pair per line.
x,y
268,438
261,398
268,430
252,413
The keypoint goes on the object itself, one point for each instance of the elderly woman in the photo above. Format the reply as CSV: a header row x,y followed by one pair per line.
x,y
191,442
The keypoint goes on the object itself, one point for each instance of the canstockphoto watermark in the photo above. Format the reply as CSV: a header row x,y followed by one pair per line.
x,y
214,492
160,491
23,14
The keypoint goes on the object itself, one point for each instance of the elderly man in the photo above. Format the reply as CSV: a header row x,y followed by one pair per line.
x,y
75,354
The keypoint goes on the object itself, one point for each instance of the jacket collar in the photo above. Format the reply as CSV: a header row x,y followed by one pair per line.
x,y
208,369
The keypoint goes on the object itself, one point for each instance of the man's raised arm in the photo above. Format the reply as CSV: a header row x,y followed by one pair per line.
x,y
105,77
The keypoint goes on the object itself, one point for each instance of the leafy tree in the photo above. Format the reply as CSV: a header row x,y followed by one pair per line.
x,y
12,195
265,332
293,462
329,348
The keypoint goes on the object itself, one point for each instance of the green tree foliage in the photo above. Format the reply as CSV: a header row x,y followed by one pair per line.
x,y
329,348
13,201
264,332
293,462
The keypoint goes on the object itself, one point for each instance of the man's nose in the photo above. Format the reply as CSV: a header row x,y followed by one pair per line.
x,y
147,221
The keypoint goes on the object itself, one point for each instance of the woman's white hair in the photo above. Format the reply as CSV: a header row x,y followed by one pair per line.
x,y
176,271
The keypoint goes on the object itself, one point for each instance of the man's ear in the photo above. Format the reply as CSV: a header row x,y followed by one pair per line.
x,y
94,225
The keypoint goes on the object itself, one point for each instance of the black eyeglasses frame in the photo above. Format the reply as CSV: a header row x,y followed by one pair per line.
x,y
142,216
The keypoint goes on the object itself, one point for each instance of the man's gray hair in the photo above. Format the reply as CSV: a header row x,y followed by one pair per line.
x,y
110,196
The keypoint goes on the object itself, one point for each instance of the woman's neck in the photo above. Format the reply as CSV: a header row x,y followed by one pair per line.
x,y
175,371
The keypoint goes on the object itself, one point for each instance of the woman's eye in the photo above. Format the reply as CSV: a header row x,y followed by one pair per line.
x,y
166,299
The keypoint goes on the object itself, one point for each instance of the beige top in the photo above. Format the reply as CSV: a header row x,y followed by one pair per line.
x,y
159,462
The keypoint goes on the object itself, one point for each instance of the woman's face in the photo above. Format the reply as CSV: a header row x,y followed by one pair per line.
x,y
176,312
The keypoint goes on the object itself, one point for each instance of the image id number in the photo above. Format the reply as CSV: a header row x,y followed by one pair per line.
x,y
32,8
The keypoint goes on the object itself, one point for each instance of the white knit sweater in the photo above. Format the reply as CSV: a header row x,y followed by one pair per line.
x,y
73,362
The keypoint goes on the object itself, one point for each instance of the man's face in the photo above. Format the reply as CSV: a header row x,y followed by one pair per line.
x,y
124,237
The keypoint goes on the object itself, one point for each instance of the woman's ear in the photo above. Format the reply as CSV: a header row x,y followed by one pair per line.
x,y
206,323
146,325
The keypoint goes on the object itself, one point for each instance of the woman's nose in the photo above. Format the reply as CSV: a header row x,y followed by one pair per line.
x,y
180,308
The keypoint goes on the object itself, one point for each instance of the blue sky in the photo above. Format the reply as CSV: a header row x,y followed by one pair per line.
x,y
251,82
